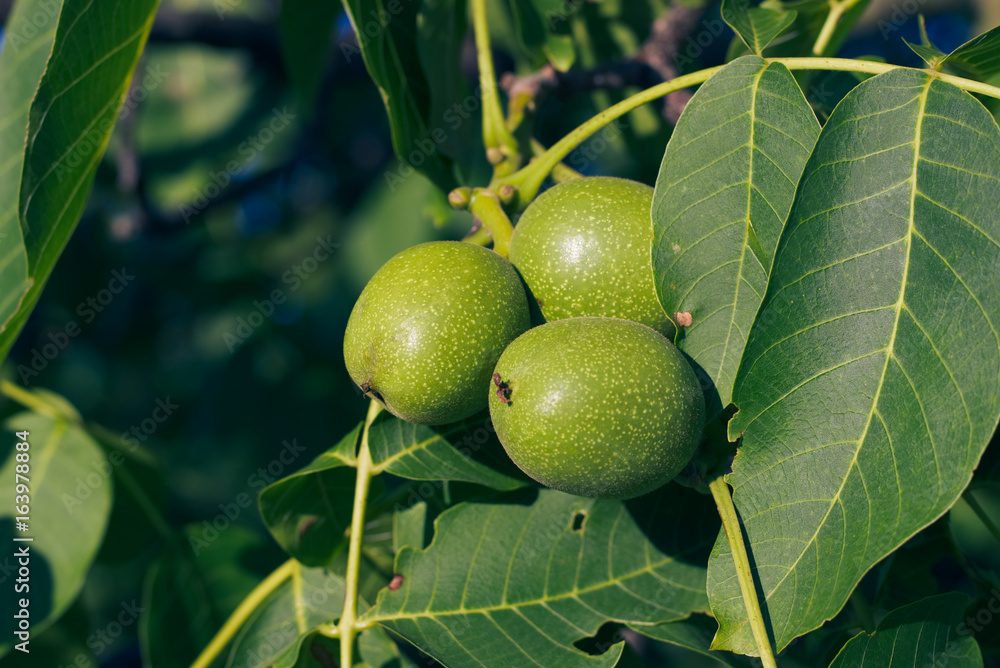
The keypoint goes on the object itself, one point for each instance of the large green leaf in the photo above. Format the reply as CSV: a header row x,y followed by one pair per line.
x,y
388,45
97,46
512,585
870,384
70,499
308,511
930,632
724,190
25,50
756,26
306,30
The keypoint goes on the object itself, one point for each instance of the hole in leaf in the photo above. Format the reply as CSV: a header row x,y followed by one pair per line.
x,y
606,637
579,520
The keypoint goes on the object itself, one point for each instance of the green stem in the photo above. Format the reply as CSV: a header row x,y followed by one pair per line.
x,y
487,208
348,627
496,136
981,514
529,179
731,524
837,10
243,612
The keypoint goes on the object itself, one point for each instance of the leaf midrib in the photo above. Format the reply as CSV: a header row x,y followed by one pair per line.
x,y
747,226
650,568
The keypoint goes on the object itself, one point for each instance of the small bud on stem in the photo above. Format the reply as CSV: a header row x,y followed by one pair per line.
x,y
459,198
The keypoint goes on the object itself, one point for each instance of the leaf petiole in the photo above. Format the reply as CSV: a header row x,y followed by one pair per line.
x,y
501,147
487,208
348,625
734,534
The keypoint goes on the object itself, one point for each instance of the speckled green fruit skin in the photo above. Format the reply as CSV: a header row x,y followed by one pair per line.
x,y
584,249
429,327
599,407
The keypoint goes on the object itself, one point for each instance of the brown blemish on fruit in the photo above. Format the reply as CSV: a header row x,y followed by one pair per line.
x,y
540,304
503,389
366,389
396,582
683,319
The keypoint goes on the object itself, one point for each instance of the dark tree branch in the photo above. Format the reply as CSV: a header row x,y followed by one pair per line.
x,y
660,50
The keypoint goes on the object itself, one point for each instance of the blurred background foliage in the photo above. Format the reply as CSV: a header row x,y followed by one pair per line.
x,y
238,156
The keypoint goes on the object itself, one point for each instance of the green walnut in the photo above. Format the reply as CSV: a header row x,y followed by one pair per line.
x,y
597,407
427,330
584,249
